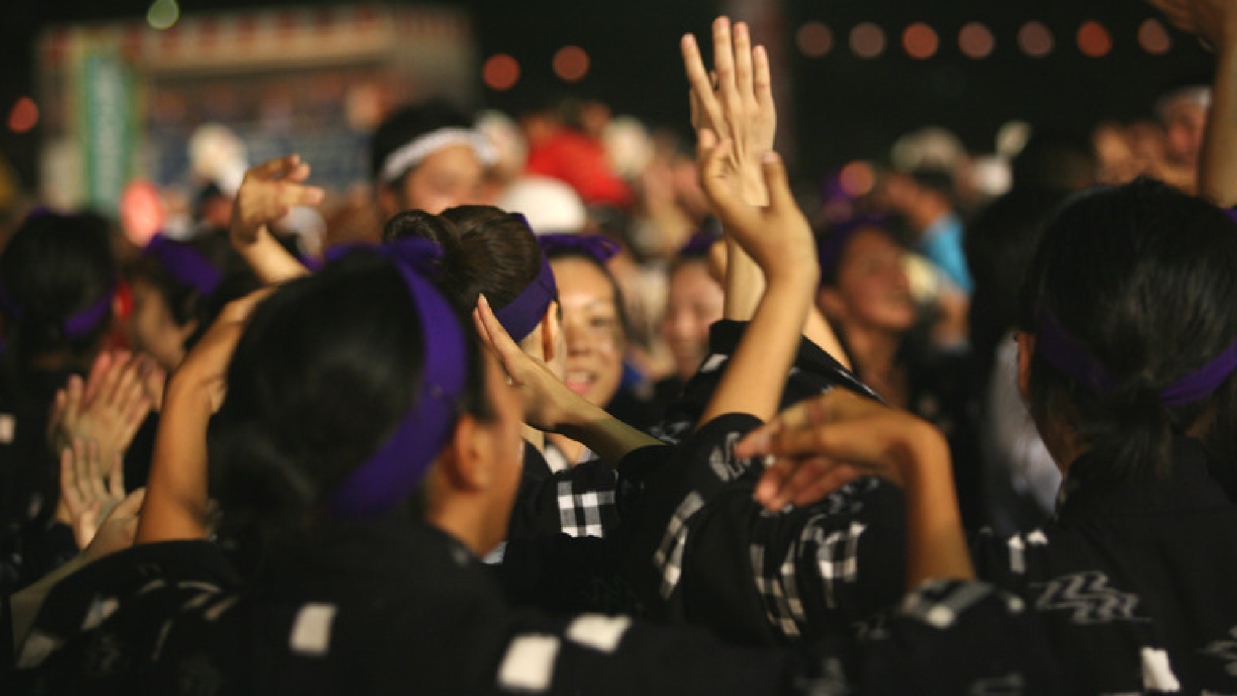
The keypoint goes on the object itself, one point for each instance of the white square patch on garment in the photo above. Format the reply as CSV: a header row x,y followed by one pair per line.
x,y
529,663
311,632
1157,673
601,633
713,362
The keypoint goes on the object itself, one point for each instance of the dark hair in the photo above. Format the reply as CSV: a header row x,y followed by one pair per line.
x,y
485,251
1000,243
833,241
405,125
1142,277
326,369
53,267
186,303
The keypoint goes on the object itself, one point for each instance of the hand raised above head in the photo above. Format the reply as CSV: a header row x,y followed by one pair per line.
x,y
268,192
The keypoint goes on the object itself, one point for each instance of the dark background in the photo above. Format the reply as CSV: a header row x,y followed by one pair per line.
x,y
845,107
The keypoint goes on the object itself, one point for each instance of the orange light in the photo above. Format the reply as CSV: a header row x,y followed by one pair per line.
x,y
920,41
571,63
976,41
857,179
814,39
24,116
867,40
1094,39
1035,39
500,72
1154,38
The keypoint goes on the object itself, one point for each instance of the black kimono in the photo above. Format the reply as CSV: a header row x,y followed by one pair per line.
x,y
396,607
1135,582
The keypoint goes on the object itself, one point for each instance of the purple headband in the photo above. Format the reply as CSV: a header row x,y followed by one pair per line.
x,y
522,314
185,264
594,246
389,476
78,324
1065,353
698,246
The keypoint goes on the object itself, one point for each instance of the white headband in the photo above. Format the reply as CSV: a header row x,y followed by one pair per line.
x,y
412,154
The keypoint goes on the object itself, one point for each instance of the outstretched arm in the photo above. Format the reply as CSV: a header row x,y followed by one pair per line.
x,y
177,491
739,106
268,192
779,240
820,444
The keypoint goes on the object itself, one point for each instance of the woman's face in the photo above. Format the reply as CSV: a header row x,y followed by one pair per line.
x,y
693,303
151,329
872,283
591,329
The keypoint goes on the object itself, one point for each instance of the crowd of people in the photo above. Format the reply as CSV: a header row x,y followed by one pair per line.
x,y
533,423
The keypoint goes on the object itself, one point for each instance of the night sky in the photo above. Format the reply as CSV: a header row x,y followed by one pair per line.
x,y
845,106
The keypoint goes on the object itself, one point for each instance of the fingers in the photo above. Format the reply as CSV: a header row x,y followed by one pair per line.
x,y
116,477
97,371
743,69
704,101
496,338
69,492
781,200
723,59
762,82
274,168
131,506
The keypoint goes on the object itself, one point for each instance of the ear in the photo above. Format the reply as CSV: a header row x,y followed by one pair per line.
x,y
465,461
550,329
1026,350
389,202
831,303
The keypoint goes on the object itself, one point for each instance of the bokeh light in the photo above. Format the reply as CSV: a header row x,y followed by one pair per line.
x,y
571,63
1094,40
500,72
1035,39
920,41
24,116
814,39
857,179
867,40
163,14
976,41
1154,38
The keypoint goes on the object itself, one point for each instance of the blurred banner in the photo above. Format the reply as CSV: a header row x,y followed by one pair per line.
x,y
124,100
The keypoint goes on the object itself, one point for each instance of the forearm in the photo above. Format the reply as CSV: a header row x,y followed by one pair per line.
x,y
756,372
609,437
1218,162
177,493
745,283
269,260
936,544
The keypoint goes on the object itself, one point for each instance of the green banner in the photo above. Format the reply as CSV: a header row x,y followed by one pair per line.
x,y
106,123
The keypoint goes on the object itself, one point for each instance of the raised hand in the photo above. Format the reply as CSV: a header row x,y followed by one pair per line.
x,y
544,393
107,408
90,486
777,237
738,105
268,192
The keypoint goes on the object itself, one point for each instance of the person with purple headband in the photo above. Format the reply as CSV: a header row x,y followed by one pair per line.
x,y
365,453
58,284
1127,354
177,288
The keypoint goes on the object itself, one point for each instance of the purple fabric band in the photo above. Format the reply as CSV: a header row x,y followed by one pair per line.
x,y
185,264
77,325
595,246
521,315
1064,352
388,477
